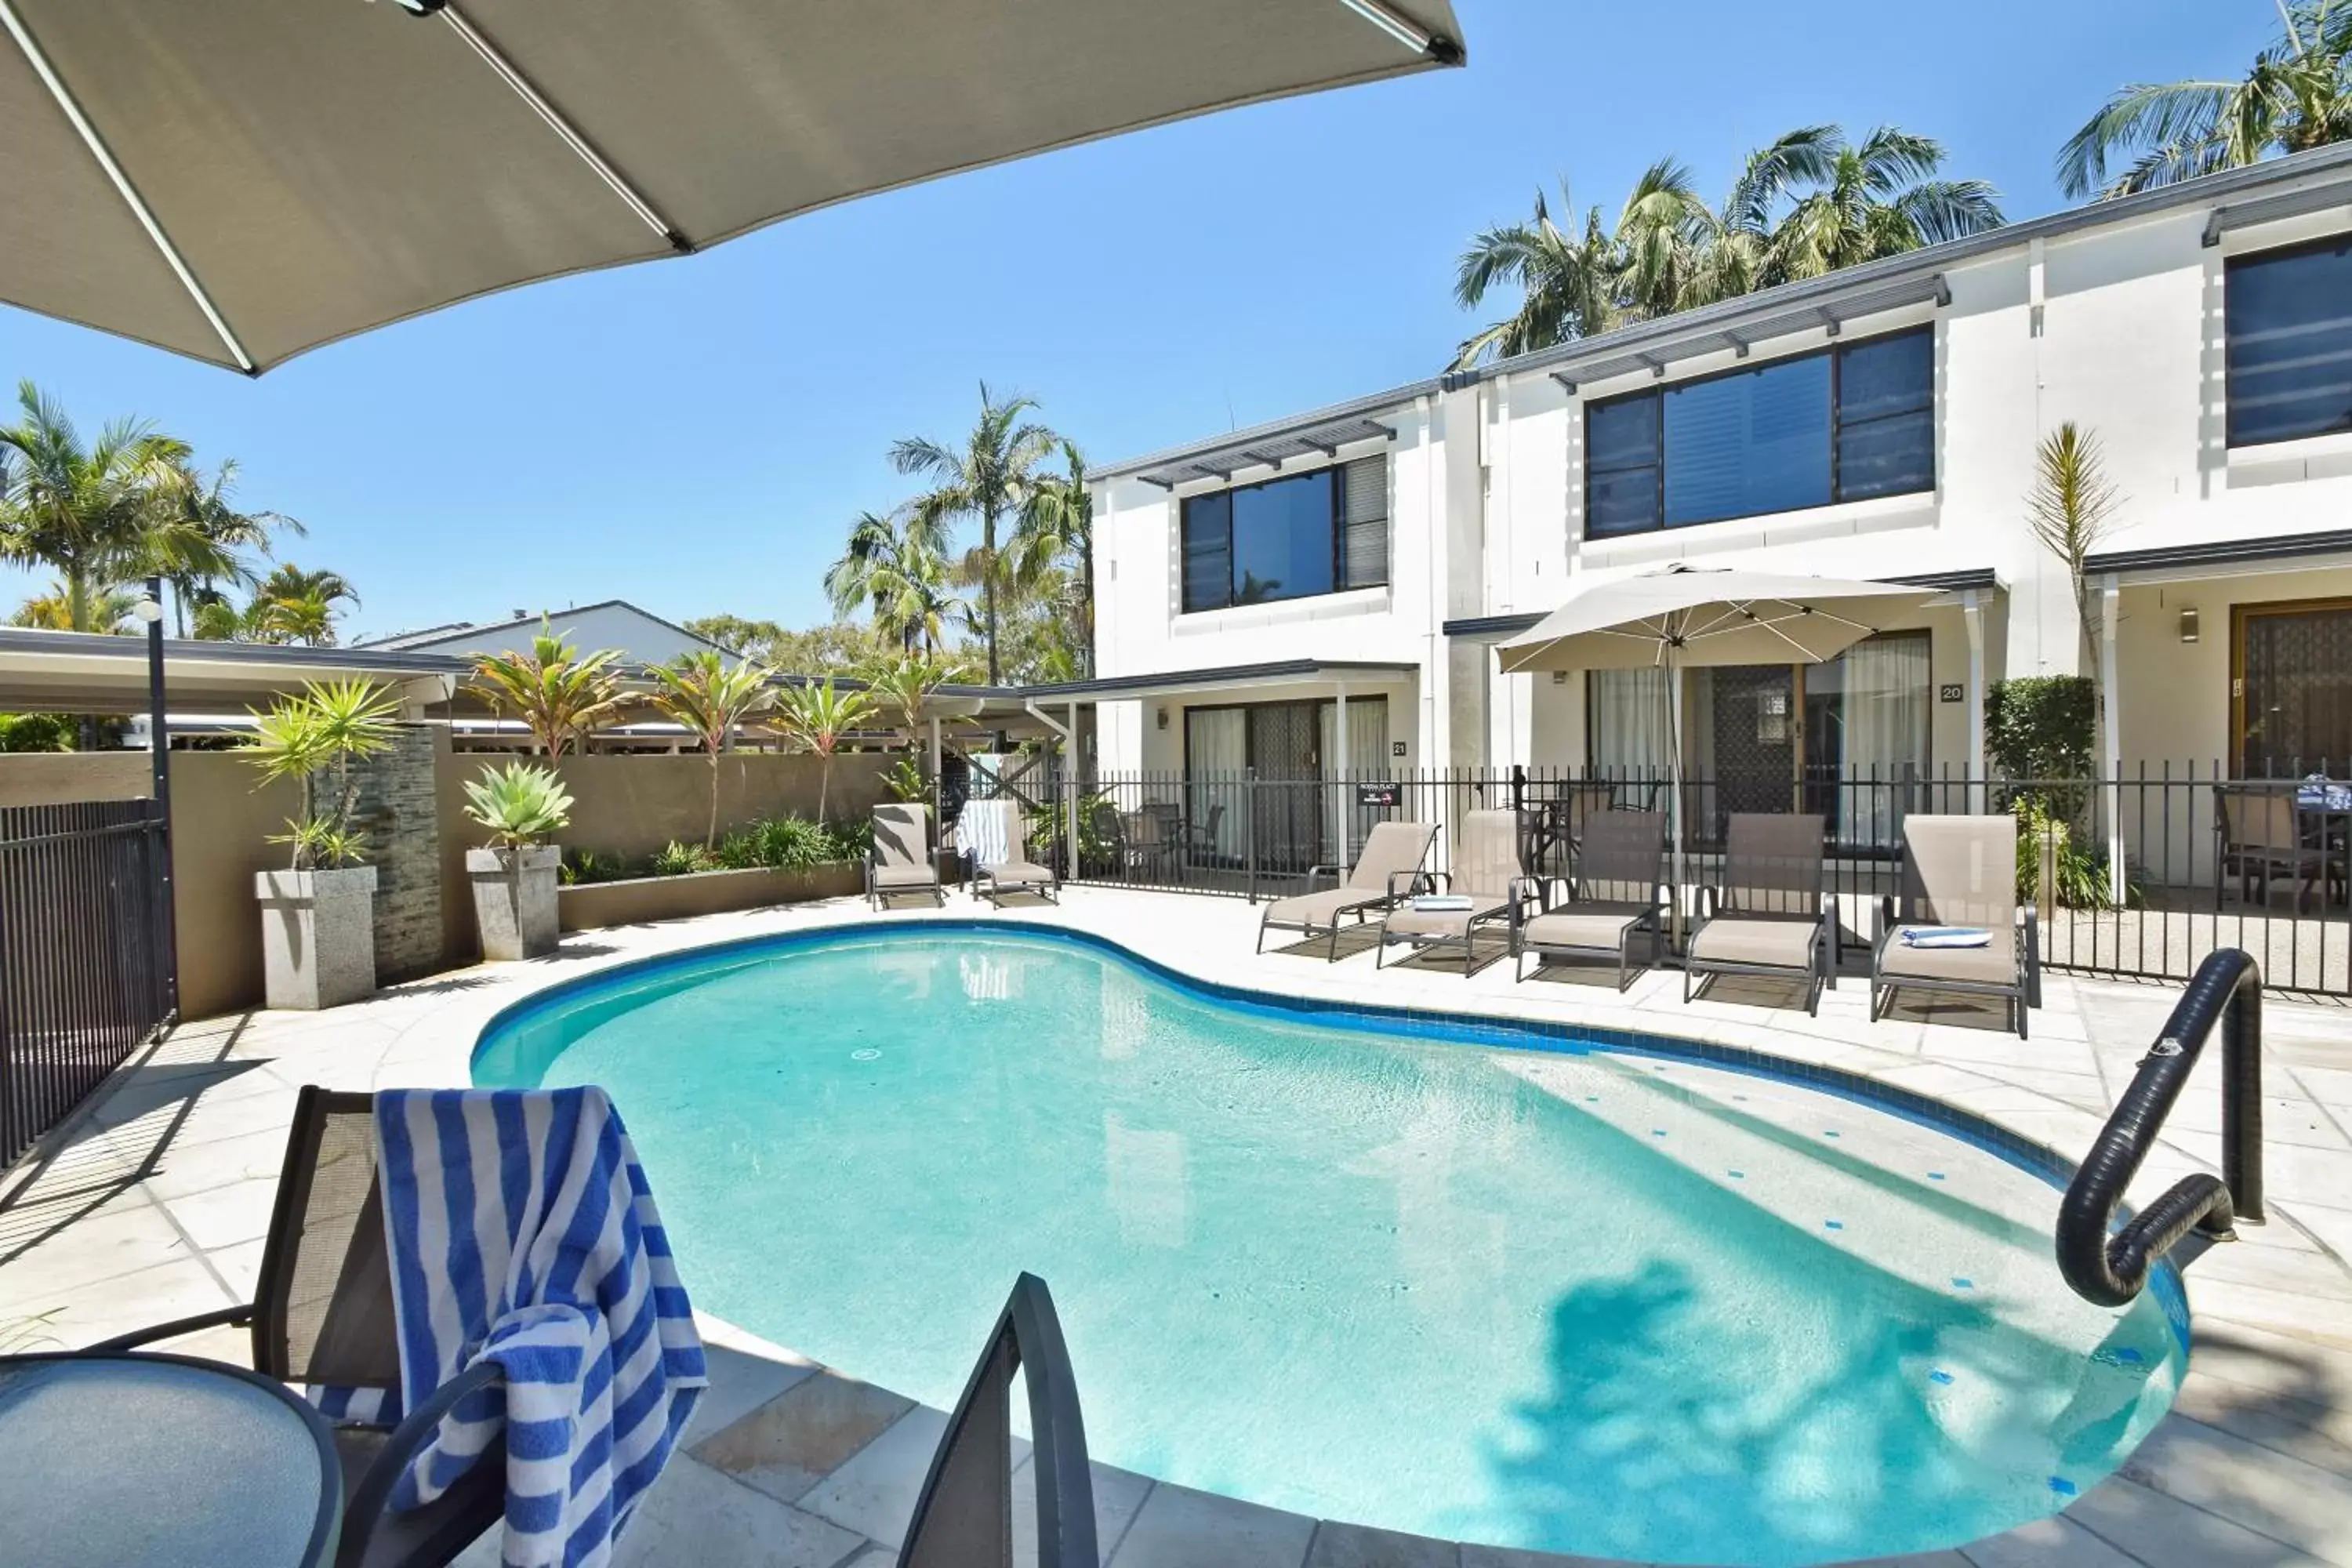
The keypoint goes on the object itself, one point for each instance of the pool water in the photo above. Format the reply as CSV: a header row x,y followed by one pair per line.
x,y
1584,1301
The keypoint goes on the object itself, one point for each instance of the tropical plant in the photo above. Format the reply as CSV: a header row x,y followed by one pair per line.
x,y
203,508
36,732
519,804
107,609
1054,549
307,737
2070,509
896,566
290,582
676,860
1876,199
902,780
564,697
901,687
2079,878
710,697
817,717
987,479
1567,282
2296,95
309,620
99,513
582,865
795,844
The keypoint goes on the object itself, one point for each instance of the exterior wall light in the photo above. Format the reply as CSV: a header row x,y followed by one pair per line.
x,y
2189,623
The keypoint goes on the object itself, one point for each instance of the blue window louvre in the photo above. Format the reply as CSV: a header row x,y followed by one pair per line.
x,y
2287,343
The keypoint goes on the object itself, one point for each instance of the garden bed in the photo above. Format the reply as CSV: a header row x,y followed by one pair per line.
x,y
590,906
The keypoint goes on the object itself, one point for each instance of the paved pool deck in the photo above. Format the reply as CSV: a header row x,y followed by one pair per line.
x,y
155,1202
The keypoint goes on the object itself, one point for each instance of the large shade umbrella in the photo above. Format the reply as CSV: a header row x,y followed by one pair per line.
x,y
241,180
1685,617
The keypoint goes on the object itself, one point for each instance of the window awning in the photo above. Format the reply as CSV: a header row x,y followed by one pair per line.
x,y
1269,452
1623,352
2271,209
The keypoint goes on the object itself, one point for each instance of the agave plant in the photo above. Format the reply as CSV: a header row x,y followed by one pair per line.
x,y
710,697
818,717
308,737
563,695
519,803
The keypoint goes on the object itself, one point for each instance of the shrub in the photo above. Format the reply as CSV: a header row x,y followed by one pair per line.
x,y
852,840
2039,726
2081,880
905,780
795,844
583,865
36,732
676,860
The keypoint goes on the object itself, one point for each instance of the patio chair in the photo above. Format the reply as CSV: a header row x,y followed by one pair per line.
x,y
1488,873
322,1315
995,837
1389,869
1200,836
1768,915
2259,836
1958,872
902,860
1616,893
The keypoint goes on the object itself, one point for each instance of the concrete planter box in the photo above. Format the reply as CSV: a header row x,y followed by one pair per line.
x,y
317,936
594,905
514,899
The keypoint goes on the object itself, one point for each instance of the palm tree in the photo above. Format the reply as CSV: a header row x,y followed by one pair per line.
x,y
308,620
896,565
203,508
1873,200
905,684
98,514
817,717
563,697
2071,508
710,697
988,478
290,582
2296,95
1057,526
108,610
1569,285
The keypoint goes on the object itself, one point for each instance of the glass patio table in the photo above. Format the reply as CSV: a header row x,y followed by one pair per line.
x,y
138,1459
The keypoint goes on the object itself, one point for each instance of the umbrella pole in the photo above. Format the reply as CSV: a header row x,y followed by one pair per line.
x,y
1675,791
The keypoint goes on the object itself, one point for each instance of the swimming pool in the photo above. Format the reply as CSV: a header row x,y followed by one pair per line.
x,y
1474,1280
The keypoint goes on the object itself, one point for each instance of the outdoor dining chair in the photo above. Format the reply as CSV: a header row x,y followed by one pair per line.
x,y
1617,892
902,860
1488,873
1768,914
322,1315
1389,869
1959,877
2258,835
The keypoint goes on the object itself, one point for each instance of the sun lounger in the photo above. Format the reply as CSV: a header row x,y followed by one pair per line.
x,y
1621,867
1389,869
1487,885
993,836
1769,914
902,860
1958,872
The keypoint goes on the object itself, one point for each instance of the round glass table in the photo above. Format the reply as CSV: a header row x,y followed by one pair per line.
x,y
131,1461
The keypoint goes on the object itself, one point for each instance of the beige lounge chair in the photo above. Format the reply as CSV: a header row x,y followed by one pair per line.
x,y
1768,914
994,835
1960,872
1389,869
1620,869
902,860
1487,872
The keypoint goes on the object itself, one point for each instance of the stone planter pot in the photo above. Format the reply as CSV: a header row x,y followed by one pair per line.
x,y
514,899
317,936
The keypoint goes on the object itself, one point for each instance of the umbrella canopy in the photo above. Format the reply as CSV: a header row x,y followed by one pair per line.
x,y
1684,617
241,180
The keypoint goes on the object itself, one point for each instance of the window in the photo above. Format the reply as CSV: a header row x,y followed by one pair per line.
x,y
2287,343
1845,424
1290,538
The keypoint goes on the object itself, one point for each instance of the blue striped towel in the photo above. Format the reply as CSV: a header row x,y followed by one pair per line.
x,y
521,1230
982,832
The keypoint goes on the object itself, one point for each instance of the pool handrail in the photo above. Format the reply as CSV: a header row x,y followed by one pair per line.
x,y
2111,1269
963,1516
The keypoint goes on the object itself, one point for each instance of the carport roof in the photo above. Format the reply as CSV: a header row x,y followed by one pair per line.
x,y
90,673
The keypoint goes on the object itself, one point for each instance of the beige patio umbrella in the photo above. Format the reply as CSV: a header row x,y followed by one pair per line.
x,y
1686,617
241,180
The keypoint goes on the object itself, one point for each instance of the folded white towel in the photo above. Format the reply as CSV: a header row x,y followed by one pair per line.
x,y
1441,903
1946,936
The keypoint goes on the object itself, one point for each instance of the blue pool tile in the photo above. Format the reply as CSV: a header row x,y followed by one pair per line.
x,y
1939,1375
1935,1175
1961,1284
1834,1225
1739,1175
1830,1134
1657,1132
2062,1486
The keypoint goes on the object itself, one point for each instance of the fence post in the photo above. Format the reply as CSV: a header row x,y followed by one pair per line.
x,y
1249,827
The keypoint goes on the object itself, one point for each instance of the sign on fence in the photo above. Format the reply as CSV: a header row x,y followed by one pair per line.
x,y
1380,795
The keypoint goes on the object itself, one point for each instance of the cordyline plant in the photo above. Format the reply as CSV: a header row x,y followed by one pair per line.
x,y
817,718
561,695
710,697
519,803
310,737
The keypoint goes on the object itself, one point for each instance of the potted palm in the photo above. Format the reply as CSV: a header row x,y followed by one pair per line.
x,y
318,916
515,876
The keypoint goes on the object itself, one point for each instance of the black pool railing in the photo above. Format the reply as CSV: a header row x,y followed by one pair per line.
x,y
2111,1269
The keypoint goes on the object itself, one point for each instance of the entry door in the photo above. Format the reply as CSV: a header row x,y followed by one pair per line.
x,y
2294,690
1283,748
1755,736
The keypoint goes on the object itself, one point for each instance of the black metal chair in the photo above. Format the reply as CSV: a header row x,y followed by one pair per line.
x,y
963,1516
322,1315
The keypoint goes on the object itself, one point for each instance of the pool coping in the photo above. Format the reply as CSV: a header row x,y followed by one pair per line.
x,y
2166,1280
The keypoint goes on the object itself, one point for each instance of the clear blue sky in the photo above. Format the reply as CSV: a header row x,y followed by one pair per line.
x,y
695,435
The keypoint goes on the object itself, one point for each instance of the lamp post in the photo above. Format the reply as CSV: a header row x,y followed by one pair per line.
x,y
150,609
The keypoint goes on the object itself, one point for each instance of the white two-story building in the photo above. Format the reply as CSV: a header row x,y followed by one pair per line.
x,y
1880,423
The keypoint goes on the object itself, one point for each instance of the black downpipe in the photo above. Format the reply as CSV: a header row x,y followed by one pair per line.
x,y
2112,1269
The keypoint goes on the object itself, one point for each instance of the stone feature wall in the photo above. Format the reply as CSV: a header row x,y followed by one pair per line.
x,y
398,814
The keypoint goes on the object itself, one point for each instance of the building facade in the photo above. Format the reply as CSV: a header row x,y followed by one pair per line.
x,y
1882,423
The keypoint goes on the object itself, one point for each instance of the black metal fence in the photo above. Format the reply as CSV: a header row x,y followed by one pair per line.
x,y
2134,875
84,966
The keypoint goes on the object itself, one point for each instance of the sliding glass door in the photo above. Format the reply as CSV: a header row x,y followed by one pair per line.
x,y
2293,690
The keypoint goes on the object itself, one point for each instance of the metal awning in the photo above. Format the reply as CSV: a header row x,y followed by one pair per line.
x,y
1500,628
2219,557
1188,682
1654,347
1269,452
2271,209
89,672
